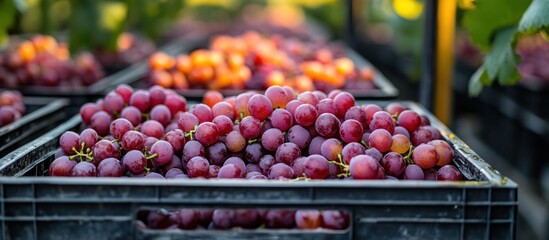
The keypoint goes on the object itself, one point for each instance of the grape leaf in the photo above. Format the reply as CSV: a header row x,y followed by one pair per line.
x,y
490,16
535,18
501,61
478,81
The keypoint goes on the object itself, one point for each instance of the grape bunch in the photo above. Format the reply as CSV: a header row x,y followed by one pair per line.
x,y
129,133
276,135
129,49
11,107
252,61
42,61
226,219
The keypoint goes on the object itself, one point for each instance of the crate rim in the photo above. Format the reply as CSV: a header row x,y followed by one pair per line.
x,y
55,104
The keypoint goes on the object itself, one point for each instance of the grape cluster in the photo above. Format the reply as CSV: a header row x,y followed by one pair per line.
x,y
224,219
11,107
252,61
130,133
129,49
276,135
42,61
534,55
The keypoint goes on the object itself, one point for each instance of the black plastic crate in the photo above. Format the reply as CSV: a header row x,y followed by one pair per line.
x,y
42,115
484,207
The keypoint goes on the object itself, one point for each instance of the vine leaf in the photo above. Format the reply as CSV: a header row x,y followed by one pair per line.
x,y
536,17
501,61
490,16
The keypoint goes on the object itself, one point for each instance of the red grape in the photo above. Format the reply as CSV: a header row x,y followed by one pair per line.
x,y
187,122
316,143
351,150
445,153
198,167
260,107
394,164
202,112
364,167
327,125
134,161
448,173
223,109
162,114
61,167
381,140
207,133
343,102
235,141
409,120
299,135
308,219
68,141
109,167
164,151
335,219
217,153
287,153
326,106
84,169
281,119
250,127
132,114
316,167
331,148
119,127
413,172
133,140
100,122
152,128
425,156
224,124
305,115
351,131
272,139
382,120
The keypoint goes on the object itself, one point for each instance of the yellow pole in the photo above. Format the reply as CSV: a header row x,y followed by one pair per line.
x,y
445,59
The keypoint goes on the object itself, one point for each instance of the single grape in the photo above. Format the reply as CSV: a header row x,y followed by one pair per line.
x,y
425,120
102,150
235,141
229,171
260,107
382,120
287,153
198,167
425,156
224,125
401,130
305,115
445,153
448,173
173,172
193,149
109,167
316,143
395,109
152,128
351,150
357,113
409,120
320,95
265,164
149,141
202,112
300,136
298,166
281,119
217,153
241,104
207,133
222,218
308,97
351,131
176,104
343,102
187,219
292,106
272,139
422,135
223,109
61,167
327,125
162,114
364,167
381,140
370,110
308,219
413,172
113,103
119,127
134,161
401,144
253,153
159,219
430,174
154,175
87,111
331,148
140,100
316,167
84,169
69,141
281,171
204,216
326,106
163,150
239,163
211,97
245,218
277,96
100,122
277,219
187,122
394,164
250,127
335,219
176,138
133,140
435,132
252,167
132,114
157,95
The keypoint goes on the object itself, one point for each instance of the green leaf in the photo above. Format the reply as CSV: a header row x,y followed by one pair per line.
x,y
490,16
21,5
478,81
535,18
501,61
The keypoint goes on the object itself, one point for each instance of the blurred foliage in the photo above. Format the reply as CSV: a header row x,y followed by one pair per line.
x,y
495,28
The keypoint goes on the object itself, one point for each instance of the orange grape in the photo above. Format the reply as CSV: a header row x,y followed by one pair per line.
x,y
212,97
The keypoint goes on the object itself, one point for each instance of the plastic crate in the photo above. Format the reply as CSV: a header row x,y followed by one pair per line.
x,y
42,115
35,207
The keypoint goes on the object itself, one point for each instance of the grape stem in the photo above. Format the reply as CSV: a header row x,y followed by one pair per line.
x,y
304,178
152,156
88,155
190,133
253,141
342,166
364,143
408,156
